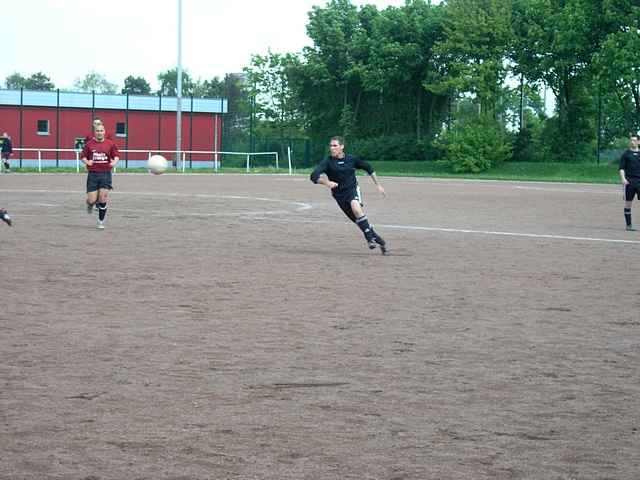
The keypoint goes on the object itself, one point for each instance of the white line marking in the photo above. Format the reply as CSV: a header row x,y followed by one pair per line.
x,y
510,234
564,190
299,205
476,232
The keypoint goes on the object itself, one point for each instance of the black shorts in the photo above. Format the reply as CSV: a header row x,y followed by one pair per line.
x,y
344,200
631,190
98,180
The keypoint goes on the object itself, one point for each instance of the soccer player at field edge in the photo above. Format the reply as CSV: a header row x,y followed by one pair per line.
x,y
5,217
630,176
100,155
7,149
338,173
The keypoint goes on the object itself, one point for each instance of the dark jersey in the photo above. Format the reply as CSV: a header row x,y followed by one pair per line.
x,y
6,145
630,163
102,153
342,171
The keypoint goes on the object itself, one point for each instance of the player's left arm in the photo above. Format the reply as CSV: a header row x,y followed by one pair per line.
x,y
366,166
378,184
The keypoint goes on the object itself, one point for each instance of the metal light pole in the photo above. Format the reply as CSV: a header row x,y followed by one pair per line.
x,y
179,87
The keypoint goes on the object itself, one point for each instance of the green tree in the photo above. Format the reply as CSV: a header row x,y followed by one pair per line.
x,y
400,65
136,86
330,84
95,82
268,80
169,83
554,44
213,88
618,68
477,35
37,81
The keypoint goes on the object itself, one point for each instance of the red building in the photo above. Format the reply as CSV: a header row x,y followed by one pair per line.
x,y
53,120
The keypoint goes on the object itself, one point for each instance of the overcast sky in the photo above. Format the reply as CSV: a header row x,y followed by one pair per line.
x,y
67,39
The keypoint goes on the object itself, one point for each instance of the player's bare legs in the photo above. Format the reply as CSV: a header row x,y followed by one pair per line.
x,y
92,198
357,208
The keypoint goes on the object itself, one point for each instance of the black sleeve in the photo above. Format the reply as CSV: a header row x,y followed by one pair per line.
x,y
319,170
363,165
623,161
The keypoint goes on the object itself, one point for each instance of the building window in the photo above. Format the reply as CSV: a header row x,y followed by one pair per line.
x,y
43,127
121,129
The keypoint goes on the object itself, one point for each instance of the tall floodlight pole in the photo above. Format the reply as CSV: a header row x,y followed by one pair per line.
x,y
179,87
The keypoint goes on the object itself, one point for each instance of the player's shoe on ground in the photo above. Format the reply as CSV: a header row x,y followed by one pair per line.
x,y
100,225
372,244
5,217
630,228
383,245
89,208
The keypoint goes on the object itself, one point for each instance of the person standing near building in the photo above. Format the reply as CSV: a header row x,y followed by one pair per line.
x,y
100,155
7,150
630,176
338,173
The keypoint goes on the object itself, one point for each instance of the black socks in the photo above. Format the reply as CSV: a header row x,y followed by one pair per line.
x,y
102,210
363,224
627,216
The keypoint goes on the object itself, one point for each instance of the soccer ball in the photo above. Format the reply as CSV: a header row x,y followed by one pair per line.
x,y
157,164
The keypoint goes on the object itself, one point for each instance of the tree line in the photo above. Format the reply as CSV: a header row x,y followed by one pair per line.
x,y
96,82
463,81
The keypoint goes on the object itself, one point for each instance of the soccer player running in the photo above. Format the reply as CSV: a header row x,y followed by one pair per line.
x,y
630,176
338,173
100,155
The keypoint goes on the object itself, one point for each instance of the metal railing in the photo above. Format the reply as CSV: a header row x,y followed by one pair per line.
x,y
182,155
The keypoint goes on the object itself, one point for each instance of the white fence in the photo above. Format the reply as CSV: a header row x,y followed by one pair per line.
x,y
181,155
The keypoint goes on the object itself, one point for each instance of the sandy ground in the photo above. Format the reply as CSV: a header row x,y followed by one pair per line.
x,y
237,327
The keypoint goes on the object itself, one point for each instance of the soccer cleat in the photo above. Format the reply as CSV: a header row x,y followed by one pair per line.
x,y
89,208
6,218
383,245
372,244
630,228
100,225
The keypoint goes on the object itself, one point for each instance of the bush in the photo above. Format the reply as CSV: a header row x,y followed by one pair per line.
x,y
475,145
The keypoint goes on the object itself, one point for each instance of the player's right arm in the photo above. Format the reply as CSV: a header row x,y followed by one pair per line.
x,y
85,156
319,175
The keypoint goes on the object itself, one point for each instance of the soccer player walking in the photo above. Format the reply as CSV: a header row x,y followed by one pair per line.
x,y
630,176
338,173
100,155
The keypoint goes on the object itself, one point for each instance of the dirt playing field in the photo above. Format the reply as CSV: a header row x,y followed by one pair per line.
x,y
237,327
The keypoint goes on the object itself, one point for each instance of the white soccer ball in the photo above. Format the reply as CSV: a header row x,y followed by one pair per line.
x,y
157,164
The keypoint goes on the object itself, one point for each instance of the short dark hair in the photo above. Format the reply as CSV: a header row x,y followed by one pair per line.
x,y
338,139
